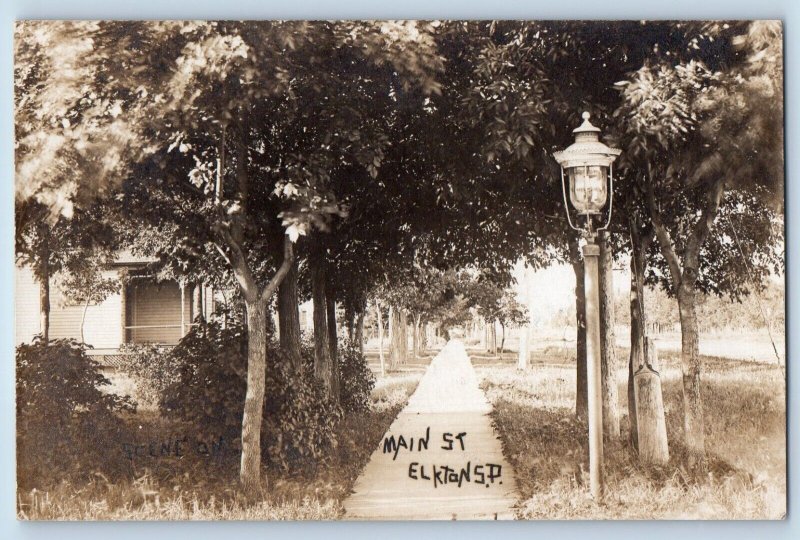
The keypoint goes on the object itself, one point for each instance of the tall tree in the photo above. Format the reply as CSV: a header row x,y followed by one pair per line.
x,y
237,129
608,345
581,373
691,133
289,315
518,64
641,240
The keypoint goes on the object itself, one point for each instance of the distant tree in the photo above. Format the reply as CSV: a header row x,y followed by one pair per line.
x,y
494,303
512,314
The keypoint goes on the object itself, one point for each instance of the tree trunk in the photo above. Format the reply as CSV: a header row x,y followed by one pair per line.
x,y
423,337
635,357
415,336
581,381
289,318
690,364
323,366
333,336
359,331
379,316
44,300
503,338
250,471
389,324
608,345
685,282
350,323
256,300
638,321
403,336
395,336
83,321
652,427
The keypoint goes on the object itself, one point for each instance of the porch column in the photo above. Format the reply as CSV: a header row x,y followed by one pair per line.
x,y
123,303
197,302
183,308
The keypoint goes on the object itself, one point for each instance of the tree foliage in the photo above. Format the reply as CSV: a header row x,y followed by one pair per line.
x,y
67,420
406,161
300,421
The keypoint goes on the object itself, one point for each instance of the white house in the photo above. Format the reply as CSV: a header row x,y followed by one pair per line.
x,y
143,311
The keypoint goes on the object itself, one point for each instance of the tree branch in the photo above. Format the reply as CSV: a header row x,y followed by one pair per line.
x,y
288,259
664,240
223,254
703,226
238,263
237,260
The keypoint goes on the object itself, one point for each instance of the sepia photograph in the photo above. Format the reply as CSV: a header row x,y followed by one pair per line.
x,y
399,270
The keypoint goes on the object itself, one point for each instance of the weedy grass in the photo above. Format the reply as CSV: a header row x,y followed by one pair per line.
x,y
745,427
206,489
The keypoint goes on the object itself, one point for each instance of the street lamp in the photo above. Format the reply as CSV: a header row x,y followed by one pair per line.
x,y
587,165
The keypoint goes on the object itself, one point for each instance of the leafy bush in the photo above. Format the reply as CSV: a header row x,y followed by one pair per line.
x,y
299,421
356,381
65,423
151,369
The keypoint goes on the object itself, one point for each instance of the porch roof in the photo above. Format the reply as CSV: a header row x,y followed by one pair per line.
x,y
127,258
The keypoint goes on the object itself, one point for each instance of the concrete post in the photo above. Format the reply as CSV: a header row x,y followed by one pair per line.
x,y
524,351
591,255
525,342
652,427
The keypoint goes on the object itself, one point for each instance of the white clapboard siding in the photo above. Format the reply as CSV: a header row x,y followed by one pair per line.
x,y
26,305
102,328
306,311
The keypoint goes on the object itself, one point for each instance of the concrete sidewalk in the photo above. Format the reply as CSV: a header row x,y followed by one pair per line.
x,y
441,458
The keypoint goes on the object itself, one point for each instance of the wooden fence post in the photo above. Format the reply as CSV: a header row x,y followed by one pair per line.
x,y
651,424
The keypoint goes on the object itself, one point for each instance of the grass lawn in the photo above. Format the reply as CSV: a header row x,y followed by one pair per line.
x,y
206,489
745,427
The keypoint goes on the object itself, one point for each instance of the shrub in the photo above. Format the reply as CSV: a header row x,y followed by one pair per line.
x,y
151,369
299,422
65,423
356,380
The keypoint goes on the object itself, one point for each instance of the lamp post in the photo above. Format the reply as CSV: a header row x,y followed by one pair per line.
x,y
587,165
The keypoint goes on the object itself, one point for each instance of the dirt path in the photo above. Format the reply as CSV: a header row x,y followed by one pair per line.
x,y
441,458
